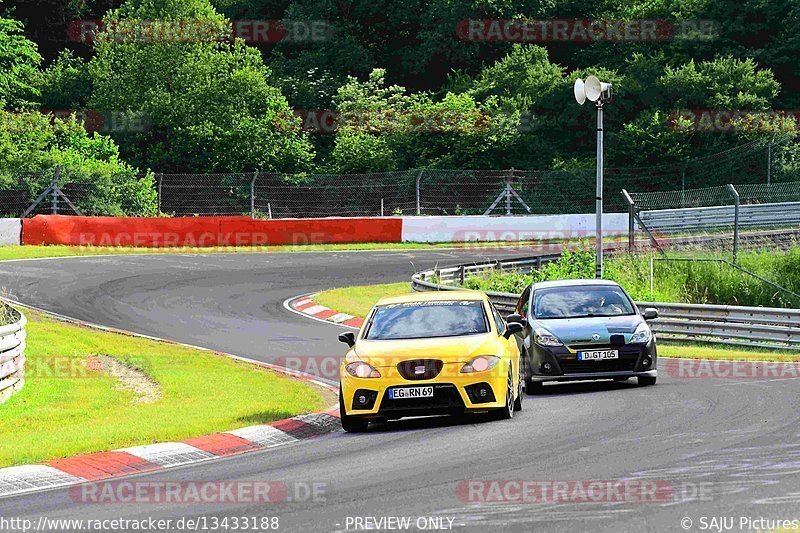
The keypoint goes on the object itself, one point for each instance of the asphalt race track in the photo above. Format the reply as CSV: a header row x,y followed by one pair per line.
x,y
726,447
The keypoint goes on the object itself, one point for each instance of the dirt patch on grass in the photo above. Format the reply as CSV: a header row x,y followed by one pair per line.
x,y
145,388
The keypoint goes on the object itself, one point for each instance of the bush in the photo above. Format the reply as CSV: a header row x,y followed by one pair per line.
x,y
93,175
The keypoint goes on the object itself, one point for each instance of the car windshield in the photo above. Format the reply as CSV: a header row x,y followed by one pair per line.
x,y
415,320
581,302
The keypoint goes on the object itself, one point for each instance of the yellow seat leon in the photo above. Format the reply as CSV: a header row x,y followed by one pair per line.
x,y
434,353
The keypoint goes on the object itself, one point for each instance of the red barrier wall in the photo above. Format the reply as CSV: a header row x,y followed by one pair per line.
x,y
205,231
247,232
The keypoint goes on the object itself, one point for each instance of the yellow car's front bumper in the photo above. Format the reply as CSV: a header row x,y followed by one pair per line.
x,y
453,392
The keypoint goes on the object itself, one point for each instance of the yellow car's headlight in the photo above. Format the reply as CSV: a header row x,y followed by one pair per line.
x,y
482,363
361,369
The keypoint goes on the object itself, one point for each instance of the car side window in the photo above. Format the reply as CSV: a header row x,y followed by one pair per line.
x,y
523,304
498,319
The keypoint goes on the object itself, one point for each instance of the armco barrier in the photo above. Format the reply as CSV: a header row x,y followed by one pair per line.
x,y
10,231
12,357
205,231
764,327
783,214
509,228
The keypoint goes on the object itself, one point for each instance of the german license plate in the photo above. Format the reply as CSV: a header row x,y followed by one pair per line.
x,y
410,392
598,355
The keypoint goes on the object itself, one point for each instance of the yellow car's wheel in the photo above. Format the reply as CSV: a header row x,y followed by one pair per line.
x,y
520,389
507,411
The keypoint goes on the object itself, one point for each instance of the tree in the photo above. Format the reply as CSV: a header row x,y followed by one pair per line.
x,y
207,99
19,64
385,128
653,136
66,83
32,144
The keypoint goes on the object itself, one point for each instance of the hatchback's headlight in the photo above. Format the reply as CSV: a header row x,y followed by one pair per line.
x,y
362,370
482,363
545,338
642,334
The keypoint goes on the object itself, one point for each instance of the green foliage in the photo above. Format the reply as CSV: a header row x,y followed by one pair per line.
x,y
31,145
572,264
19,64
675,281
66,83
208,101
219,106
385,128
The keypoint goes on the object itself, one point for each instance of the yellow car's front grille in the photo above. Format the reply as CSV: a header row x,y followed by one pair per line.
x,y
416,369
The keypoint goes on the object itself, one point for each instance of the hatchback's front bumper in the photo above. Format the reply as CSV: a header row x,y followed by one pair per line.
x,y
560,363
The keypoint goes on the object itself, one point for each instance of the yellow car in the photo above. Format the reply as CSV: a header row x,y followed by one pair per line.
x,y
446,352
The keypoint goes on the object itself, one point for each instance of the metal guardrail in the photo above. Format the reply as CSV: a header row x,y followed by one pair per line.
x,y
770,327
439,279
750,216
12,357
762,327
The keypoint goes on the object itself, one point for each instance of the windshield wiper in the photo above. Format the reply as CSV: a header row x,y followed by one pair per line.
x,y
588,315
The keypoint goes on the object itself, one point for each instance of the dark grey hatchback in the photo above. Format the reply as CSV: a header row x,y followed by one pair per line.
x,y
585,330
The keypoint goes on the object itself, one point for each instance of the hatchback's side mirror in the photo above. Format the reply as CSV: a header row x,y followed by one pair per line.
x,y
650,313
512,328
348,337
515,318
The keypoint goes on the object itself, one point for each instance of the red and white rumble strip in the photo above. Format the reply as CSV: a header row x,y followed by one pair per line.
x,y
307,306
150,457
137,459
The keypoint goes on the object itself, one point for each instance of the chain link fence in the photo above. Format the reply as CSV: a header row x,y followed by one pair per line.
x,y
421,192
718,219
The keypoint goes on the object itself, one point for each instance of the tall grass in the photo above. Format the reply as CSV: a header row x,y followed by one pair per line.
x,y
8,315
674,281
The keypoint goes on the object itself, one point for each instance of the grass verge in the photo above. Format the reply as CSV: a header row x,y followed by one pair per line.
x,y
36,252
71,405
359,300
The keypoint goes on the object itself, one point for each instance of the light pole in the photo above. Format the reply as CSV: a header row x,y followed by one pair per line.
x,y
598,92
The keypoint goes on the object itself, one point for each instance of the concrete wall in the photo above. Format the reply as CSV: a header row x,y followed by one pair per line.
x,y
241,231
10,231
510,229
